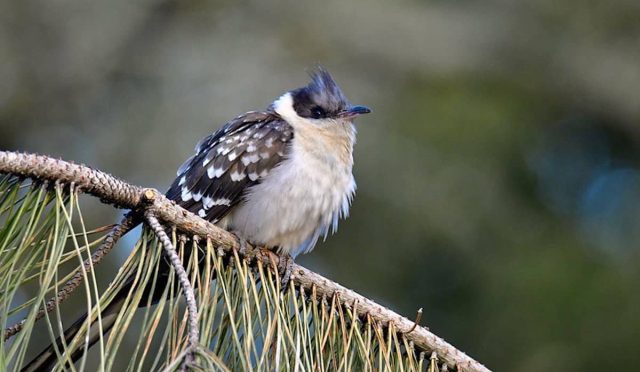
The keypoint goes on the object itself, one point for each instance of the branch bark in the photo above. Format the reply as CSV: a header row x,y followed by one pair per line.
x,y
183,277
116,192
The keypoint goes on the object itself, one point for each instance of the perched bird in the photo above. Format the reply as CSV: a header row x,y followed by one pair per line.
x,y
279,178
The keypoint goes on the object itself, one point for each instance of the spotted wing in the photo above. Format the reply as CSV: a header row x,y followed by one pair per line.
x,y
228,162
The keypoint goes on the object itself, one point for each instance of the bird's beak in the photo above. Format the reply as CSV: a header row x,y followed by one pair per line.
x,y
354,111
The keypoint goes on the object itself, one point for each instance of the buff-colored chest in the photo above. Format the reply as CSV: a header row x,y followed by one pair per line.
x,y
303,196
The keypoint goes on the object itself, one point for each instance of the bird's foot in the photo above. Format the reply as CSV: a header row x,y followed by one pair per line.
x,y
285,268
243,248
281,263
240,250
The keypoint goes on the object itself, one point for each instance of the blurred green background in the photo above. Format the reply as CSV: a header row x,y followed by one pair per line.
x,y
498,177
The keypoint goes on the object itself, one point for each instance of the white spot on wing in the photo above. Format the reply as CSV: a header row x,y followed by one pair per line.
x,y
214,172
197,196
235,176
202,213
183,179
269,142
222,201
186,195
253,176
208,202
248,159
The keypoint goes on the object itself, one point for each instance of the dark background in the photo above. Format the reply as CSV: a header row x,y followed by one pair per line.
x,y
498,177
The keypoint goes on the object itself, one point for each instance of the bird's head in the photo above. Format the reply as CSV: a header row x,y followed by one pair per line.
x,y
321,102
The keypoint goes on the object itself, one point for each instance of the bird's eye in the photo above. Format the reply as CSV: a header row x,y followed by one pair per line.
x,y
317,112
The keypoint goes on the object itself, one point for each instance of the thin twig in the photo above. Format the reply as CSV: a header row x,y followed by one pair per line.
x,y
190,297
417,321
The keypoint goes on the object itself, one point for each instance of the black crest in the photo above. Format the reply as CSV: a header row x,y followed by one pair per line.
x,y
322,98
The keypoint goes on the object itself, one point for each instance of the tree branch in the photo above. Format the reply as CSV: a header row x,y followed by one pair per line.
x,y
113,191
183,277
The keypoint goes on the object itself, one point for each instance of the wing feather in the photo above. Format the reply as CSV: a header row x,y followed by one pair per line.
x,y
228,162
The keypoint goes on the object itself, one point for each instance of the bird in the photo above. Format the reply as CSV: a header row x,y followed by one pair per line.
x,y
280,178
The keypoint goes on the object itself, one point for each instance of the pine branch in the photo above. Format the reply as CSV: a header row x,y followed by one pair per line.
x,y
184,283
116,192
129,222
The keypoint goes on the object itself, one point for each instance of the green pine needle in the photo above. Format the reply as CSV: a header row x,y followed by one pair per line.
x,y
247,321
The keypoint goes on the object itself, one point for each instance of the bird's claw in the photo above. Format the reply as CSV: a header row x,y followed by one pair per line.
x,y
281,263
285,268
242,244
243,247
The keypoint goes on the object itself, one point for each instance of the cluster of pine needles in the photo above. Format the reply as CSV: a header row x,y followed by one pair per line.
x,y
247,321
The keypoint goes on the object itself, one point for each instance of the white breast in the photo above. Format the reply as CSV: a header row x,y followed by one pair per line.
x,y
304,195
